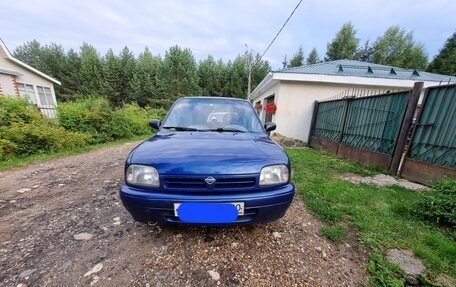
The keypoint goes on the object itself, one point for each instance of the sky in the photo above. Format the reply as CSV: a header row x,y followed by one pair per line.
x,y
220,28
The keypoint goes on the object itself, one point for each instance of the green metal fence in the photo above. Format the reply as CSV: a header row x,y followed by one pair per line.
x,y
370,123
434,140
329,120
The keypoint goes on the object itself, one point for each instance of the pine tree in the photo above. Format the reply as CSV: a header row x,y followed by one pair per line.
x,y
91,71
313,57
297,59
127,66
207,76
71,86
344,45
144,82
112,78
396,47
178,74
285,62
365,53
445,61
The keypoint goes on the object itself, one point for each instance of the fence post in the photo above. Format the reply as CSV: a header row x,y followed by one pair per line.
x,y
405,127
313,122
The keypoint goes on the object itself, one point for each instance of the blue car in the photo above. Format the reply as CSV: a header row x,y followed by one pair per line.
x,y
210,163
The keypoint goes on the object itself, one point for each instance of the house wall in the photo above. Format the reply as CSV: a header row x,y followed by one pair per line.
x,y
26,77
295,102
274,90
7,85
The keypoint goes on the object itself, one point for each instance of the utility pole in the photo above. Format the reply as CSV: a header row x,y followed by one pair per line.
x,y
249,71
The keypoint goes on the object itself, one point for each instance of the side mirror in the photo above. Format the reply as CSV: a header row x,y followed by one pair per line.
x,y
154,124
269,126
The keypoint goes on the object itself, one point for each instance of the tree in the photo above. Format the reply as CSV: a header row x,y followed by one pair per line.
x,y
30,53
112,78
207,77
91,71
127,66
344,45
71,86
445,61
178,74
396,47
285,62
297,59
364,53
313,57
144,82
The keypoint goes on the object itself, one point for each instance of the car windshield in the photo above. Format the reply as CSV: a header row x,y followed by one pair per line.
x,y
203,114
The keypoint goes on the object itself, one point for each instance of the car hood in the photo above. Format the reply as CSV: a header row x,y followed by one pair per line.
x,y
208,153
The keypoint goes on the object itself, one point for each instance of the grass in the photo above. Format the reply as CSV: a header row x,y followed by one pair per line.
x,y
21,161
383,216
335,233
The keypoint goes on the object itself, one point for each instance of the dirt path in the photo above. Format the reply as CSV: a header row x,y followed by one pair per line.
x,y
78,194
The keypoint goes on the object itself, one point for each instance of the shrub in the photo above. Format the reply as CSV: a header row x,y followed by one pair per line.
x,y
25,131
90,115
95,116
439,204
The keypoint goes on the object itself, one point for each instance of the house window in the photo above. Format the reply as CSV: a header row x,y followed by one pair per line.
x,y
26,91
45,95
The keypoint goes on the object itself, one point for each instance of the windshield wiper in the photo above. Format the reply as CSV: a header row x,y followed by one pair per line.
x,y
186,129
224,130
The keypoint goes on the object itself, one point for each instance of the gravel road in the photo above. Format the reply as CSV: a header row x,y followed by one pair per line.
x,y
62,224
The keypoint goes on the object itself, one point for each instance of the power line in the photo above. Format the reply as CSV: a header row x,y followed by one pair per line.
x,y
278,33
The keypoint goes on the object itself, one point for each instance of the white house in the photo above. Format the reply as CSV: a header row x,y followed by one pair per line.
x,y
18,79
294,90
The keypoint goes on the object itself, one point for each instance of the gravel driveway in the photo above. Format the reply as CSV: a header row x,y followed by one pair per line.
x,y
62,224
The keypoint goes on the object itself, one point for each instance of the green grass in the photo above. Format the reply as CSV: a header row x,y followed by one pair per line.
x,y
335,233
21,161
384,217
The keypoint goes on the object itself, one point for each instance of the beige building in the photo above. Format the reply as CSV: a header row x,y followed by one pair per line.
x,y
18,79
294,90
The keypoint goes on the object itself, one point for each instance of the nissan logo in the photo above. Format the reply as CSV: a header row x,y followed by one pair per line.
x,y
210,180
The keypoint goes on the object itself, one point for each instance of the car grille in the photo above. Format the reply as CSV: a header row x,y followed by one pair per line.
x,y
198,183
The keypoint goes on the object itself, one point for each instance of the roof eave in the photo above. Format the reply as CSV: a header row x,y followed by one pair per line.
x,y
10,57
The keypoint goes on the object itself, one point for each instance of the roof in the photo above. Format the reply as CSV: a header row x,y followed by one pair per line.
x,y
24,65
365,69
351,72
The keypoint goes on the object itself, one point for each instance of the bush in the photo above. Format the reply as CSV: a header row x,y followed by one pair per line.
x,y
25,131
95,116
439,204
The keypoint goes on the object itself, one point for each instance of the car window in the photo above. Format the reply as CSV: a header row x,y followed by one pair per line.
x,y
209,114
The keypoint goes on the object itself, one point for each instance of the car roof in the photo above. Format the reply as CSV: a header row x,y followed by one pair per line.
x,y
214,98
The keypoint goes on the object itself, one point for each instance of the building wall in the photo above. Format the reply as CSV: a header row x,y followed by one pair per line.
x,y
274,90
295,102
26,77
7,85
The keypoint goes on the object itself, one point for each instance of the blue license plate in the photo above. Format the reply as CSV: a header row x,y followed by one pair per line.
x,y
195,212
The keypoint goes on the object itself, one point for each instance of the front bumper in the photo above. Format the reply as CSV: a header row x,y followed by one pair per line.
x,y
259,206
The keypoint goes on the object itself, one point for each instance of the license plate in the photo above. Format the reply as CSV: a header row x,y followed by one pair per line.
x,y
239,206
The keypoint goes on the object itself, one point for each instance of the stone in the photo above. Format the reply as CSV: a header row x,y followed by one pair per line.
x,y
82,236
94,280
234,244
21,285
411,265
65,265
277,234
214,275
95,269
22,190
25,274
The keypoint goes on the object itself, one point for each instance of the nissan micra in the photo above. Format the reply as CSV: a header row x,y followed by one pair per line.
x,y
211,162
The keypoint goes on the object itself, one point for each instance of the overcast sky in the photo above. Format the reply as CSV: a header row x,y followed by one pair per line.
x,y
220,28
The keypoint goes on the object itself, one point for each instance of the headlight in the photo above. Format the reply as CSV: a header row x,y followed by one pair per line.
x,y
142,175
274,174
